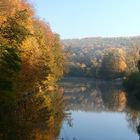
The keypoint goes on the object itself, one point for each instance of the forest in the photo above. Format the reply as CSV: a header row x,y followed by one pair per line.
x,y
102,58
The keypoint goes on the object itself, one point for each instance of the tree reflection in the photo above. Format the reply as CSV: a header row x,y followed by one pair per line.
x,y
95,96
32,118
102,97
113,96
133,113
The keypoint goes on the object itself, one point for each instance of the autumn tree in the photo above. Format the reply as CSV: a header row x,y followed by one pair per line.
x,y
51,59
12,34
38,48
133,57
113,64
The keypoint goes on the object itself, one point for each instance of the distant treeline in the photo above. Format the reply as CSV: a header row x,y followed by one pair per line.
x,y
103,58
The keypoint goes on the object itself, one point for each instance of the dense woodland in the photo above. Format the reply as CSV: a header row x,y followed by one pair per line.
x,y
102,58
31,62
30,53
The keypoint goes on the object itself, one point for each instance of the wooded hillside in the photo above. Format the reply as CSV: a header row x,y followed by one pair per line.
x,y
97,57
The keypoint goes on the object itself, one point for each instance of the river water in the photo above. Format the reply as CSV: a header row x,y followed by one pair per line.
x,y
98,110
83,109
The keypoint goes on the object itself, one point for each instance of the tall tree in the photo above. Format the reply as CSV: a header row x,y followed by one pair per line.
x,y
113,64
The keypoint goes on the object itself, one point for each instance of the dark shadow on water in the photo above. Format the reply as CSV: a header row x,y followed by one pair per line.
x,y
133,112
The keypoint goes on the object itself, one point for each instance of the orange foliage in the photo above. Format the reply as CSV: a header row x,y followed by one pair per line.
x,y
122,66
121,100
119,55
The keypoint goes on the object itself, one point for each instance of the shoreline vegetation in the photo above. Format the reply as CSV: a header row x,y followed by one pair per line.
x,y
31,54
31,62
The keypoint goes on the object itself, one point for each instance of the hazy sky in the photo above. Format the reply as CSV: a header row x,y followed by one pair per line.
x,y
90,18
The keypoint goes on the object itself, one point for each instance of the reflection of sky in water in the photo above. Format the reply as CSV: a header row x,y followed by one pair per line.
x,y
98,126
98,112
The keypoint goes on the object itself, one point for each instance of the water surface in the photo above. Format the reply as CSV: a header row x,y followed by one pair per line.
x,y
98,110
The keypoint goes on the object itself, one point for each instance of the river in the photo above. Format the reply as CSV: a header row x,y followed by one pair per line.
x,y
83,109
98,110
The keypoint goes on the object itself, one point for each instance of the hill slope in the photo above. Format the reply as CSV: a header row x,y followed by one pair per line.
x,y
86,55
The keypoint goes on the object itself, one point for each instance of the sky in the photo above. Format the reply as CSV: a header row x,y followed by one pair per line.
x,y
91,18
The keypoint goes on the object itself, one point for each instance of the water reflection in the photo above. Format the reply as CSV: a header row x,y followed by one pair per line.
x,y
95,96
105,104
133,112
93,110
33,118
